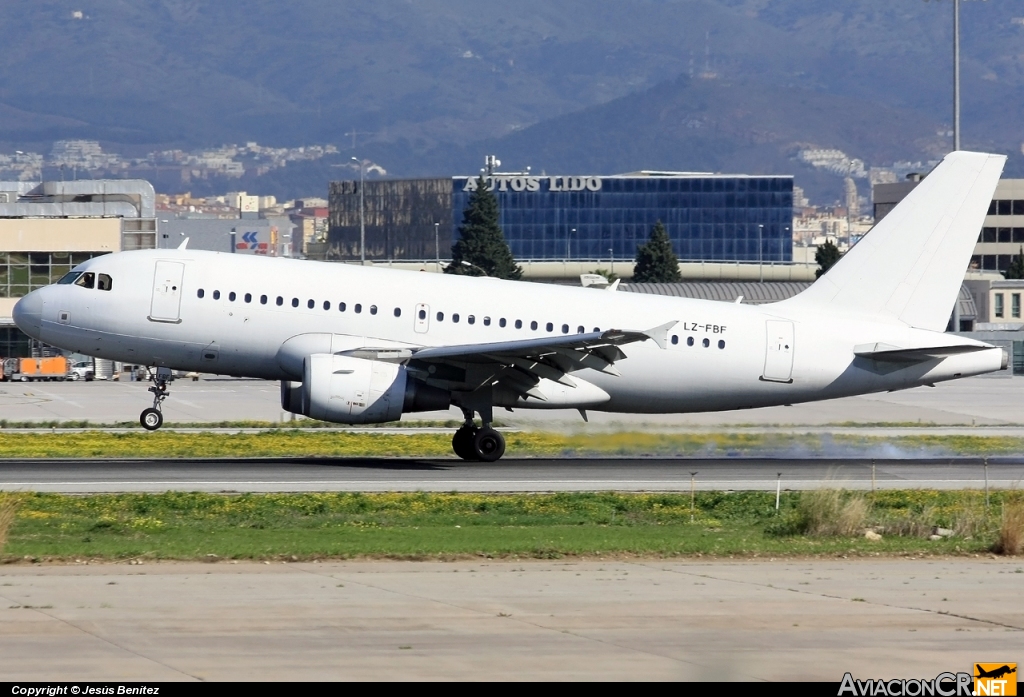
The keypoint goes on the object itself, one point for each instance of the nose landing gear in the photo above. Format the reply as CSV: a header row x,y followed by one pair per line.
x,y
472,443
153,418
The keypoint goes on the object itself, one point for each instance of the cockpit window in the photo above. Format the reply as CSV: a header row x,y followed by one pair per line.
x,y
106,283
69,278
87,280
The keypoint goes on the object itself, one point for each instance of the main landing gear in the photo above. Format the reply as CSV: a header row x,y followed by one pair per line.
x,y
153,418
472,443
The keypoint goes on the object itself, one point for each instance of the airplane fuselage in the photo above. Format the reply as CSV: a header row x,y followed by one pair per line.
x,y
230,314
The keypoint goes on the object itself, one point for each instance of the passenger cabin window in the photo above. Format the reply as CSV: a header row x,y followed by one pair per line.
x,y
373,309
398,312
549,326
280,301
706,342
721,344
519,324
689,341
311,303
200,292
581,330
533,325
69,278
471,319
675,339
422,314
87,280
216,295
501,322
232,296
263,300
358,308
565,328
248,297
105,282
440,317
327,304
342,307
487,321
455,317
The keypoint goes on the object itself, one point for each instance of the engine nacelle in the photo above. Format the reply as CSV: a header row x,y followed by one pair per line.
x,y
347,390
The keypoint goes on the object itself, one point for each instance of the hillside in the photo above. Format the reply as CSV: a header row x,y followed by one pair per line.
x,y
430,86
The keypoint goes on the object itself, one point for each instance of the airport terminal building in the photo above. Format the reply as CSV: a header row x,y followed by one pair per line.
x,y
708,217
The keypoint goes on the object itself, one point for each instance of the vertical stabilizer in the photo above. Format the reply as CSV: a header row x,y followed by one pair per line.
x,y
910,266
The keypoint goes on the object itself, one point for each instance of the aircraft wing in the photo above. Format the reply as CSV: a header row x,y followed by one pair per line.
x,y
518,365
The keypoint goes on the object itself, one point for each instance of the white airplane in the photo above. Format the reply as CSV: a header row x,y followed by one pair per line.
x,y
358,345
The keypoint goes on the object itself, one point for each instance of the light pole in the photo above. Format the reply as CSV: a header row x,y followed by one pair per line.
x,y
568,245
362,216
611,260
956,74
437,246
760,258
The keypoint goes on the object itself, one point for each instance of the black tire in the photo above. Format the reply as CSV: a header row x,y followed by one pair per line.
x,y
151,419
462,443
488,445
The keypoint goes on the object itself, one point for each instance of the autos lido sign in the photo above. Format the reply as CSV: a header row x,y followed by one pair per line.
x,y
515,183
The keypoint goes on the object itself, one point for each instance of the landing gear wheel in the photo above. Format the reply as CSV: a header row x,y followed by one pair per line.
x,y
151,419
488,445
462,442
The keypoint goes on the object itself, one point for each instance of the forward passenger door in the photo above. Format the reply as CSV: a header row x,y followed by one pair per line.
x,y
166,302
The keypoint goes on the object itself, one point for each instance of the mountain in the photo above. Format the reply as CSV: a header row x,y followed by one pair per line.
x,y
429,86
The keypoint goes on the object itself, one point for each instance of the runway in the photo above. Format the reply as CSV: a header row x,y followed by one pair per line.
x,y
508,475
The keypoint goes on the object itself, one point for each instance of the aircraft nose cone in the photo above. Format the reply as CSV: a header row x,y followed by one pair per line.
x,y
28,314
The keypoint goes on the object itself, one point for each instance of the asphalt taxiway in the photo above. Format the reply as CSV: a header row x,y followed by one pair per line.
x,y
507,475
612,619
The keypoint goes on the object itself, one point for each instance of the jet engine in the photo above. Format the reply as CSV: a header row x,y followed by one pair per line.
x,y
348,390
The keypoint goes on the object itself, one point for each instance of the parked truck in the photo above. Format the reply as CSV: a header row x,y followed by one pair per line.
x,y
30,369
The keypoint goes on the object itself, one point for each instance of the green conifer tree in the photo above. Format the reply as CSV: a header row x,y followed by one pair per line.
x,y
1016,267
655,260
826,257
481,243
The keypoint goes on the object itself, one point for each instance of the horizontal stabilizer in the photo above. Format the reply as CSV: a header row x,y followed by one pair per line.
x,y
895,354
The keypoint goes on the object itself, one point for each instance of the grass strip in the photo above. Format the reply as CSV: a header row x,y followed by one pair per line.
x,y
321,443
430,525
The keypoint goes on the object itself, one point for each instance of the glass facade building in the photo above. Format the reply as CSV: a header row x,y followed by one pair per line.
x,y
707,217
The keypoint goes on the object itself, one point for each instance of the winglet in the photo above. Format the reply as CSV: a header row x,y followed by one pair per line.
x,y
660,334
615,285
184,244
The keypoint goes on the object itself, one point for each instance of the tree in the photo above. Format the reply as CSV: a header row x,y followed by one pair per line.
x,y
481,248
826,256
655,260
1016,267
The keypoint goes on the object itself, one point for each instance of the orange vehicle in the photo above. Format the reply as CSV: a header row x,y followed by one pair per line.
x,y
30,369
